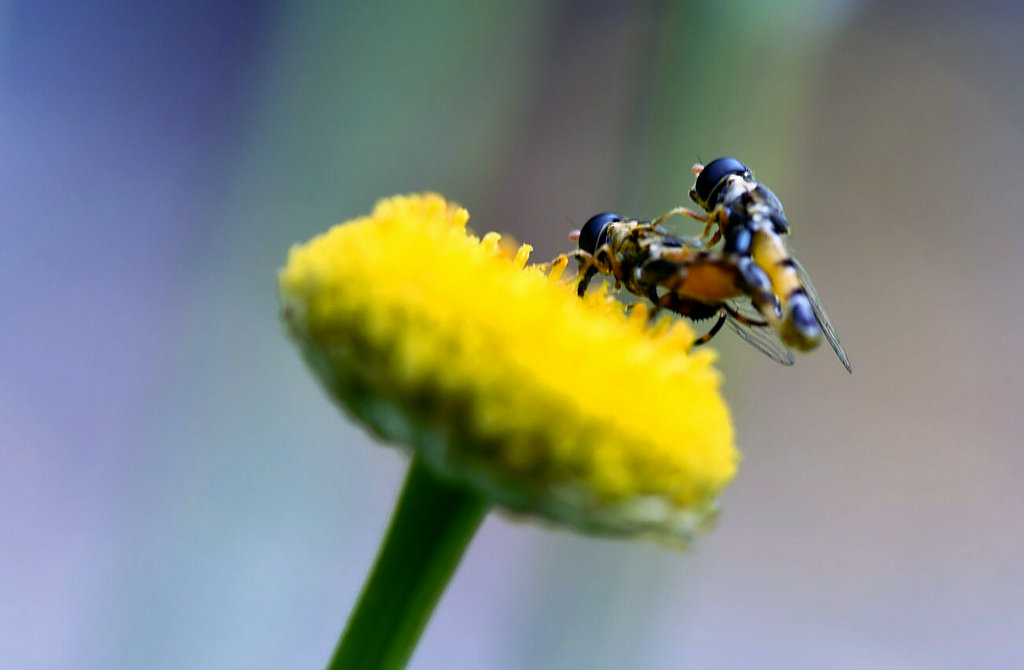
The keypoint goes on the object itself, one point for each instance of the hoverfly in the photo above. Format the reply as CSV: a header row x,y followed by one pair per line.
x,y
681,275
751,282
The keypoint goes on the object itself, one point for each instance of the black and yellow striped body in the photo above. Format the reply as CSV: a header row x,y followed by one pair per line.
x,y
750,282
753,224
796,325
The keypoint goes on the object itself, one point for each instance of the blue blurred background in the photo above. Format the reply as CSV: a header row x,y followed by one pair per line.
x,y
177,492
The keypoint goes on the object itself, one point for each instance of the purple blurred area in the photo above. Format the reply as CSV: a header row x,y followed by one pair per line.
x,y
120,122
176,492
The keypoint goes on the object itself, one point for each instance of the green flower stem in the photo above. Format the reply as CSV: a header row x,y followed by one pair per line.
x,y
431,527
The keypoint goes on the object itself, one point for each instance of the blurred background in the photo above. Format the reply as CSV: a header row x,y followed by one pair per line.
x,y
177,492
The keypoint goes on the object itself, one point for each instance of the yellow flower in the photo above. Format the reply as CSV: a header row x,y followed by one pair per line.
x,y
500,378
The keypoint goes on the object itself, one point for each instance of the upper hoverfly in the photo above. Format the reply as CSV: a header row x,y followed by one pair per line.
x,y
750,282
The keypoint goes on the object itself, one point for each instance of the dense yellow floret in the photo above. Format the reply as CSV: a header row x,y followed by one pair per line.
x,y
498,376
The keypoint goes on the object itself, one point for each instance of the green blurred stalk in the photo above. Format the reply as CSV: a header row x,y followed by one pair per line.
x,y
431,527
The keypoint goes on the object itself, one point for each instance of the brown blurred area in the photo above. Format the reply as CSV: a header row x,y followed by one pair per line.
x,y
877,517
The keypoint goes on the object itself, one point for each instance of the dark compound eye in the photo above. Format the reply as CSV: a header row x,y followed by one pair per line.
x,y
592,235
710,178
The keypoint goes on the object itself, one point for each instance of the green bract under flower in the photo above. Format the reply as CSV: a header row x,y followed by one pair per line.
x,y
499,377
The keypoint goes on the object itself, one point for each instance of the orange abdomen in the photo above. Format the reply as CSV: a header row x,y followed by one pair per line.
x,y
708,282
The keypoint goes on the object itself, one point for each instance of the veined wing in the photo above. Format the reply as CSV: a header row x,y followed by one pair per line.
x,y
746,321
820,315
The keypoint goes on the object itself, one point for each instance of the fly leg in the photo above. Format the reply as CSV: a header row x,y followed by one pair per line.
x,y
611,261
683,211
591,264
585,258
718,217
745,320
706,337
759,287
679,211
603,260
692,309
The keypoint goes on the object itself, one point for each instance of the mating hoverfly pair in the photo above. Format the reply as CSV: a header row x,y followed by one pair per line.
x,y
750,282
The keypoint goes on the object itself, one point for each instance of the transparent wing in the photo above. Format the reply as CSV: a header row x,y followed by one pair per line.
x,y
757,334
820,315
744,309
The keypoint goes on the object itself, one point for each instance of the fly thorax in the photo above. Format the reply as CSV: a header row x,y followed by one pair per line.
x,y
759,217
619,233
736,192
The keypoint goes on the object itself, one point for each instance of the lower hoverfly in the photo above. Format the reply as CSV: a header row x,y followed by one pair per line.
x,y
682,275
739,283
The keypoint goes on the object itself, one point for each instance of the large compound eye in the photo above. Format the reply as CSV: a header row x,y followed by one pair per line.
x,y
710,179
592,235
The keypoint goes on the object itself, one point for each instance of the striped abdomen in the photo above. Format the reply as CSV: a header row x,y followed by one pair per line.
x,y
797,326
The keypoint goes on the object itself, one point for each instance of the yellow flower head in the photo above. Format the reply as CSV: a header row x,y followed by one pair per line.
x,y
500,378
